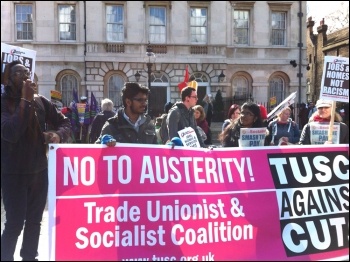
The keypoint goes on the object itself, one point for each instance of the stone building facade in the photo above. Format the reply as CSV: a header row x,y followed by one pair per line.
x,y
97,46
318,46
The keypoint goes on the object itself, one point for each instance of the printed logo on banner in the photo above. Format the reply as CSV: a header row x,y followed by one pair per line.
x,y
313,199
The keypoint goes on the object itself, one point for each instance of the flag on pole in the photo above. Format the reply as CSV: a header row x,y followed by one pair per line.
x,y
285,103
87,112
93,107
183,84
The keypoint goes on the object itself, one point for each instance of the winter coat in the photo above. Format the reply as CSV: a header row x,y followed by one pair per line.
x,y
123,132
23,148
277,130
179,117
343,135
97,124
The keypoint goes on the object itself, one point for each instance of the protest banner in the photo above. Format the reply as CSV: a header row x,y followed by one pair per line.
x,y
252,137
319,133
335,79
335,84
11,53
155,203
189,137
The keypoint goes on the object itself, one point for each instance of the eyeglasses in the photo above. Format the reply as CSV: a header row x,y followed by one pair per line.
x,y
246,114
195,97
22,73
141,100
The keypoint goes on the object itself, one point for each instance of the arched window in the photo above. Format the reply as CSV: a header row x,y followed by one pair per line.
x,y
68,84
240,87
277,88
115,86
242,90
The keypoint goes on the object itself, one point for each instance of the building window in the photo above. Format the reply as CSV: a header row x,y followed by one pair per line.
x,y
198,23
240,87
157,24
67,22
115,23
278,27
277,89
24,22
115,86
241,27
68,84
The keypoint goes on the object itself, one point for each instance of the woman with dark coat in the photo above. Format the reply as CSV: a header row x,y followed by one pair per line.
x,y
250,118
323,115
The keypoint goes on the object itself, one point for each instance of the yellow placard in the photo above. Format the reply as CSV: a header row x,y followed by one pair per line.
x,y
273,101
56,95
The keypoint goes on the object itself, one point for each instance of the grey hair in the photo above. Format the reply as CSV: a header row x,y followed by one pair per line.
x,y
107,105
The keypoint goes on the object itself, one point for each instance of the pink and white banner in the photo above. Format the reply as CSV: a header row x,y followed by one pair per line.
x,y
155,203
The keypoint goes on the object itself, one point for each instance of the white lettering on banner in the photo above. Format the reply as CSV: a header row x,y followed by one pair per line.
x,y
305,202
139,236
317,161
122,178
161,212
122,213
213,233
201,170
334,225
335,91
159,169
74,172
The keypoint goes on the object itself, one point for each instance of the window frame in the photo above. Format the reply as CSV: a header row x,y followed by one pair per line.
x,y
67,23
150,25
195,26
117,99
281,7
117,23
249,88
17,23
244,6
276,40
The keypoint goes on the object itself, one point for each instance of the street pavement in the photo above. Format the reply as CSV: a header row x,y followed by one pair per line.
x,y
43,249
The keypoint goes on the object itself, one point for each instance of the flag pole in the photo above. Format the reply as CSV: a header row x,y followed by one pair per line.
x,y
331,123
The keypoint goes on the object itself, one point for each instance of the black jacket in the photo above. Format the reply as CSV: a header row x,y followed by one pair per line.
x,y
97,124
23,148
180,117
124,132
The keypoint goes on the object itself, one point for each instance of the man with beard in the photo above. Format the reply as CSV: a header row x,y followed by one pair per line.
x,y
130,124
24,166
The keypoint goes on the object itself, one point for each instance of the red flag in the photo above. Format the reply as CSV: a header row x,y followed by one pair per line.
x,y
183,84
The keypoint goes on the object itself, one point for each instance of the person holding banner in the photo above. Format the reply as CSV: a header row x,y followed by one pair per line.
x,y
181,115
283,129
130,124
250,117
24,163
316,131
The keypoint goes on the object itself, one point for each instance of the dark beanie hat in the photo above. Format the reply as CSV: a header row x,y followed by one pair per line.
x,y
167,106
